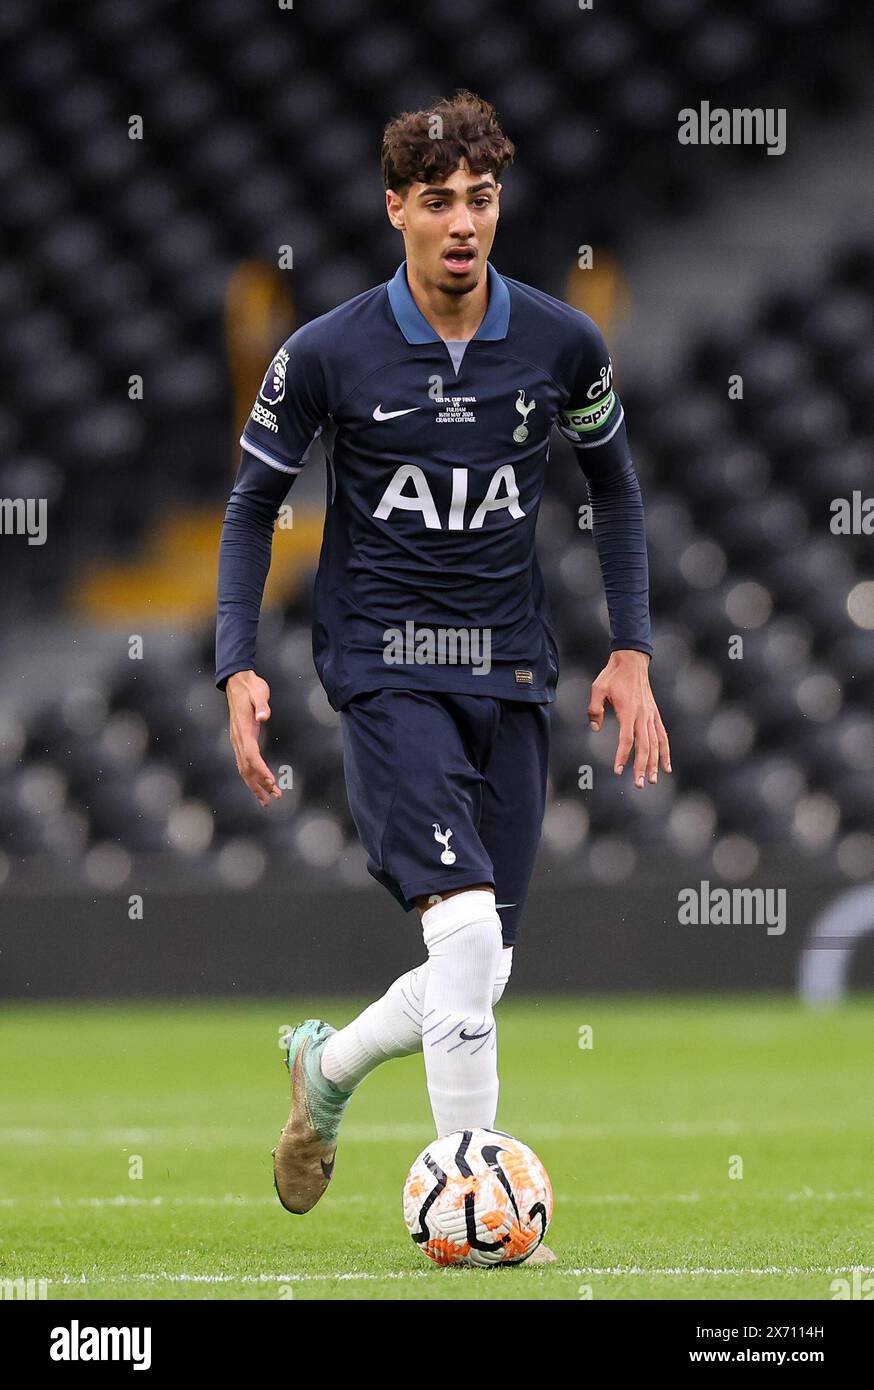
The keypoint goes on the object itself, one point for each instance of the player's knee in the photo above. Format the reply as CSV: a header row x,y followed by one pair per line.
x,y
472,911
463,937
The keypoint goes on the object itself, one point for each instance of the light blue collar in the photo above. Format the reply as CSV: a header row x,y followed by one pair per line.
x,y
416,328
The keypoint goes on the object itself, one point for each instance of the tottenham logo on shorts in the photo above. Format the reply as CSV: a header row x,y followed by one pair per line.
x,y
520,433
443,837
273,385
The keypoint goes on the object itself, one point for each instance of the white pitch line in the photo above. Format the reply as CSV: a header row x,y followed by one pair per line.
x,y
355,1133
620,1271
805,1195
415,1133
81,1280
702,1270
122,1200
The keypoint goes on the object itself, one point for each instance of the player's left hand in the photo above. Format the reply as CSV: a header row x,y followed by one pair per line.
x,y
624,683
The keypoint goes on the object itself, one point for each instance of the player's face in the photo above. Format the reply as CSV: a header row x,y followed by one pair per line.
x,y
448,228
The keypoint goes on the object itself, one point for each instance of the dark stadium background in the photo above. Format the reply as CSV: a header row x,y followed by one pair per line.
x,y
141,297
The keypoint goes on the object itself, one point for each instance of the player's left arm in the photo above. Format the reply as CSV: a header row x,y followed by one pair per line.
x,y
593,421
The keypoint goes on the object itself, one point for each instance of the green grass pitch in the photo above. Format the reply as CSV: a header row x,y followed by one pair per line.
x,y
640,1133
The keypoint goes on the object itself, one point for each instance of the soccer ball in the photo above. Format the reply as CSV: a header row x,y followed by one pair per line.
x,y
477,1197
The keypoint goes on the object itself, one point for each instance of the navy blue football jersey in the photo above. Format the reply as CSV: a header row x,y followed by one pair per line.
x,y
437,453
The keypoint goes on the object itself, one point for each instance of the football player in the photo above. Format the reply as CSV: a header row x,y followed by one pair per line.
x,y
435,396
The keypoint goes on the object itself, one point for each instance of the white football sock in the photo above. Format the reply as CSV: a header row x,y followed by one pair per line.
x,y
392,1027
463,937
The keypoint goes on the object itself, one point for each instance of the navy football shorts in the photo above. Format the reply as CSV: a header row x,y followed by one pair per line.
x,y
447,791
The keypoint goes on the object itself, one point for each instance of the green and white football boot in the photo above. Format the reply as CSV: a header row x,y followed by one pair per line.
x,y
303,1160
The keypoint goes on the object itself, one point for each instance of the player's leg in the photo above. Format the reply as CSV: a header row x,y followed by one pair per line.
x,y
462,934
514,794
446,1006
513,762
392,1026
514,798
440,744
405,761
449,988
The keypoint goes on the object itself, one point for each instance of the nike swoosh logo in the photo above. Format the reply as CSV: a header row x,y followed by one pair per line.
x,y
380,414
470,1037
498,906
328,1168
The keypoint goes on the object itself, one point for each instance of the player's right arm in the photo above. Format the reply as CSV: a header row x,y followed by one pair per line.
x,y
285,421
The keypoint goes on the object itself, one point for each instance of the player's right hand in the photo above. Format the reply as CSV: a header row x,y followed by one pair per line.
x,y
249,708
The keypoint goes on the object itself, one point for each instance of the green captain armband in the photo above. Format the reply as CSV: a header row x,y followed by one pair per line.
x,y
589,417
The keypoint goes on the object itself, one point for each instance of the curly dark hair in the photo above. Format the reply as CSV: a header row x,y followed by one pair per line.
x,y
426,146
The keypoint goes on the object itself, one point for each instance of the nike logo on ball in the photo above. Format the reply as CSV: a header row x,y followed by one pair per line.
x,y
380,414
